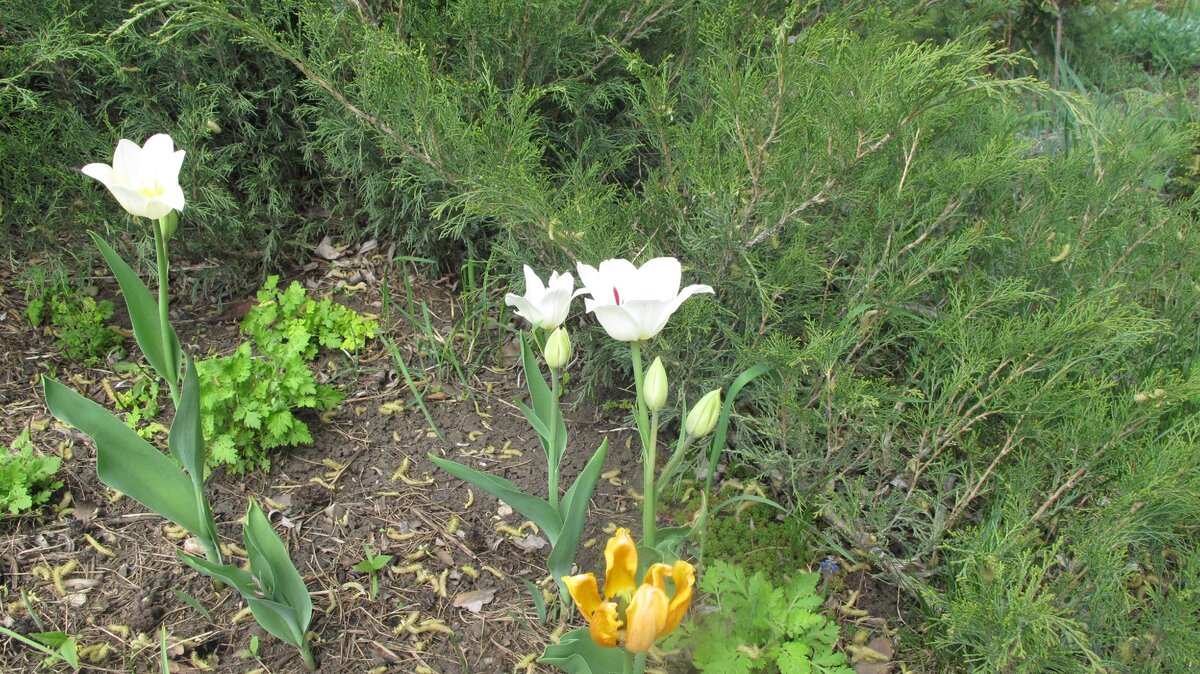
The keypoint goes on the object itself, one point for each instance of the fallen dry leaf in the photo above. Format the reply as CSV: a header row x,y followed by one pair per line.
x,y
326,250
474,600
530,543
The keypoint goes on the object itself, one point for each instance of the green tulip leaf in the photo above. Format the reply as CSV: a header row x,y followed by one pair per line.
x,y
531,416
718,443
143,314
186,440
233,576
269,560
542,513
279,619
543,404
574,507
126,462
576,653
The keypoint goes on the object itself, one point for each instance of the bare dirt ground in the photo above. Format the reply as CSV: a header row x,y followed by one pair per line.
x,y
100,567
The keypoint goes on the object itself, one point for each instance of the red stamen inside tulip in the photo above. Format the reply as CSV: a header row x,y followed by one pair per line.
x,y
616,295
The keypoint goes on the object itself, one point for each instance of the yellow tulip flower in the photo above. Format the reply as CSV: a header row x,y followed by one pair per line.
x,y
640,614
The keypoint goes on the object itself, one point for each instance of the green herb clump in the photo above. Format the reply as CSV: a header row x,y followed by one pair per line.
x,y
77,322
762,627
248,398
757,541
26,478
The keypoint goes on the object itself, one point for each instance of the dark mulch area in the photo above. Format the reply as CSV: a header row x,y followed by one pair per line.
x,y
100,567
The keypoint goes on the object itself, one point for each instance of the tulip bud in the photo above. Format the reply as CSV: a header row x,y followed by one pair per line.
x,y
703,418
169,223
655,386
558,349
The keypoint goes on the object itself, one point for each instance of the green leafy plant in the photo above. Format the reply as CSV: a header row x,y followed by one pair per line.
x,y
58,646
141,406
26,478
76,320
372,563
761,627
271,586
249,396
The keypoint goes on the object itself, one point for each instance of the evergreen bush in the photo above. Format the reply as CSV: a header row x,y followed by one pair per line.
x,y
981,303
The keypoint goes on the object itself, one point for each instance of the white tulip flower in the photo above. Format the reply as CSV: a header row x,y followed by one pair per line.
x,y
631,303
145,180
545,306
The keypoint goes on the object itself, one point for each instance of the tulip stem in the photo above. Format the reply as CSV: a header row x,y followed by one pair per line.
x,y
160,250
649,434
672,466
639,663
649,495
554,457
306,653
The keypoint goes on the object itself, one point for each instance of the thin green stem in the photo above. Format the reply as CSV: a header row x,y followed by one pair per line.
x,y
643,425
648,432
668,471
555,456
160,250
639,663
626,662
650,495
306,653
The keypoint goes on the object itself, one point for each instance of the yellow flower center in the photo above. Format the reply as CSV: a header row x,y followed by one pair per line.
x,y
152,191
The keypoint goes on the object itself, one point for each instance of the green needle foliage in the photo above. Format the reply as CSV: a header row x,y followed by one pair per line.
x,y
963,234
249,398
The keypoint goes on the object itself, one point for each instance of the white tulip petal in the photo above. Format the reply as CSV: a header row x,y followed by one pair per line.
x,y
171,172
126,158
589,279
156,208
659,278
618,323
173,196
615,269
101,172
131,200
525,309
533,285
158,150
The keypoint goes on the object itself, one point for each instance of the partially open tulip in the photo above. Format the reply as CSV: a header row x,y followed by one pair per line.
x,y
704,415
145,180
632,615
632,303
544,306
656,386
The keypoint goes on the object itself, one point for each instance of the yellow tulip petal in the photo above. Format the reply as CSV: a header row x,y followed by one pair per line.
x,y
645,617
584,591
655,575
620,564
684,575
604,623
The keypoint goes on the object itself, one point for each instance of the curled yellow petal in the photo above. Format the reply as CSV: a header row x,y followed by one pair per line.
x,y
604,623
645,617
584,591
620,565
684,575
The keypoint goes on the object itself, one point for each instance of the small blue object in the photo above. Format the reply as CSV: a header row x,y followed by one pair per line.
x,y
829,566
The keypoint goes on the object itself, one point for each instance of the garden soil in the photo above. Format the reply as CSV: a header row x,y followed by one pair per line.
x,y
102,568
